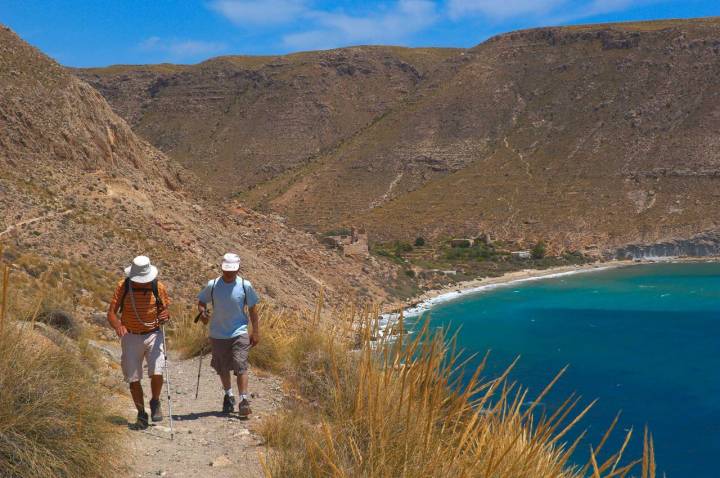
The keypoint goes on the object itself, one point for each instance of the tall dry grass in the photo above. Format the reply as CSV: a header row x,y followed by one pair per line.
x,y
191,339
370,406
54,421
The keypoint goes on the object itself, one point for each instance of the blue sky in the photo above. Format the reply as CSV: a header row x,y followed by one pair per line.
x,y
104,32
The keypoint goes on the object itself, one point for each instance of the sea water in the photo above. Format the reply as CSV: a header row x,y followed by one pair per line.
x,y
644,340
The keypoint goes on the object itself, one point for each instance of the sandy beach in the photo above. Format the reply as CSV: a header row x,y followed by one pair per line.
x,y
425,301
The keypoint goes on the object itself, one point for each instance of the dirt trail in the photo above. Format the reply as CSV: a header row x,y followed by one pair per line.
x,y
33,220
207,443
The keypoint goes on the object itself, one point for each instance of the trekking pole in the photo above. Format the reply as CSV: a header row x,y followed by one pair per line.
x,y
167,379
197,387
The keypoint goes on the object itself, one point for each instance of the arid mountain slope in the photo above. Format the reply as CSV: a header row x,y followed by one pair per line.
x,y
237,121
589,135
583,136
77,187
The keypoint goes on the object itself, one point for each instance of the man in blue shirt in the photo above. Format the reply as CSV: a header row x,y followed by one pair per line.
x,y
229,338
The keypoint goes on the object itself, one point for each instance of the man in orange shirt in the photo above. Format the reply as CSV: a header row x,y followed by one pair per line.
x,y
143,305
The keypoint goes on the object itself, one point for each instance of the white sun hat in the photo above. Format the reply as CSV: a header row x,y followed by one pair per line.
x,y
141,271
230,262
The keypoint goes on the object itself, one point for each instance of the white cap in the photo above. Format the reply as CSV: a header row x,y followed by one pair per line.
x,y
141,271
231,262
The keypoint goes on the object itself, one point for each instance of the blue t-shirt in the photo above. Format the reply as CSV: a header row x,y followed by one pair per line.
x,y
228,317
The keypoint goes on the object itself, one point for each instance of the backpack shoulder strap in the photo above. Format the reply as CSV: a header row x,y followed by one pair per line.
x,y
156,293
126,288
212,292
244,293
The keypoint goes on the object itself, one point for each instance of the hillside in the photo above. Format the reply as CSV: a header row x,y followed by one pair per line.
x,y
82,194
583,136
259,116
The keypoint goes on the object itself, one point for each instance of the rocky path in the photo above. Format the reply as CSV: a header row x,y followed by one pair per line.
x,y
206,443
33,220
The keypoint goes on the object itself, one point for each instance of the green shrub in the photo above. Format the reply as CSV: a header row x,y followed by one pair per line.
x,y
419,241
538,252
402,247
343,231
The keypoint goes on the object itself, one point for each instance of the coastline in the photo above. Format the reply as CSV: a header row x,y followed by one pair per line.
x,y
425,301
421,303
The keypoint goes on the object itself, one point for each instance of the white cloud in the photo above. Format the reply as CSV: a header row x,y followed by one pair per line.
x,y
259,12
181,48
391,24
548,11
502,9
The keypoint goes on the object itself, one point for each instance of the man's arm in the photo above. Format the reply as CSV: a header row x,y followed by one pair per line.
x,y
113,320
255,321
164,313
204,315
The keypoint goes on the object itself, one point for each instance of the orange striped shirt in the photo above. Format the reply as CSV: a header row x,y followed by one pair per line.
x,y
146,318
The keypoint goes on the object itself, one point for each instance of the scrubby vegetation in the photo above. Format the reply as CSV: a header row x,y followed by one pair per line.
x,y
375,407
443,262
364,405
53,416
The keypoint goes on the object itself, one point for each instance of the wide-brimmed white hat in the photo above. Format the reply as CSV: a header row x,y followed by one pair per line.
x,y
230,262
141,271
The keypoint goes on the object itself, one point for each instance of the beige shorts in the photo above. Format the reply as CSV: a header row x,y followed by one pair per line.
x,y
135,348
230,355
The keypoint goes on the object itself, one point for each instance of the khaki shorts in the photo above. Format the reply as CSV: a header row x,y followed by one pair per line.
x,y
230,355
135,348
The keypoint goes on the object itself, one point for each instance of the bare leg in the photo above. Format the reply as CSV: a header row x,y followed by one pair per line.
x,y
225,379
156,383
242,380
137,395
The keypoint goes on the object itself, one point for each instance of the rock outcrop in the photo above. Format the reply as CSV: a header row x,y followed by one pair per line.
x,y
701,245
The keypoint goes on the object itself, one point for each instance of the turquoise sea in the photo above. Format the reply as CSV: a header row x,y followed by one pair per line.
x,y
643,339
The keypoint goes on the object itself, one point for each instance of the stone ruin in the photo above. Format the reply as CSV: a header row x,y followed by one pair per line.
x,y
354,244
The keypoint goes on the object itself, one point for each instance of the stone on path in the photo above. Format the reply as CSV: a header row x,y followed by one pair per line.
x,y
222,460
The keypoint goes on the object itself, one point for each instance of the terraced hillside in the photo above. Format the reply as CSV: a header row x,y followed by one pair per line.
x,y
257,117
589,137
82,194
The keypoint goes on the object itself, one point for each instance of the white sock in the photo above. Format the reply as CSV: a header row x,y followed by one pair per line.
x,y
243,397
229,392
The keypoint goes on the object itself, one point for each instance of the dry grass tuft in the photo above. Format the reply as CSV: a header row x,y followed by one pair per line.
x,y
191,339
368,406
365,405
52,417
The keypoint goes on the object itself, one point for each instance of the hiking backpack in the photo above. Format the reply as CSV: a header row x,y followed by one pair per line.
x,y
154,287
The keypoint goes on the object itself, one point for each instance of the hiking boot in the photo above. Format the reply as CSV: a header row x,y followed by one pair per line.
x,y
244,408
142,420
228,404
155,410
